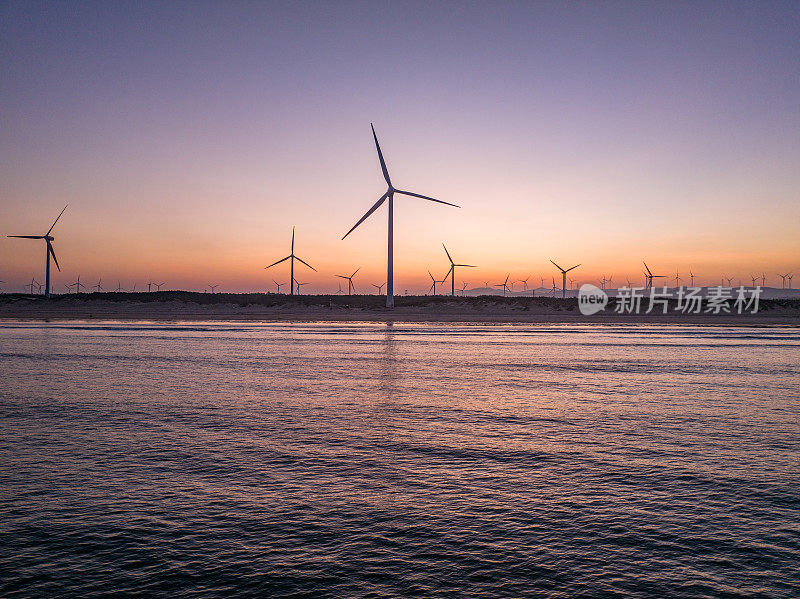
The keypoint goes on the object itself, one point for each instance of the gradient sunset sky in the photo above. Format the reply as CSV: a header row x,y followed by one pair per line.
x,y
188,139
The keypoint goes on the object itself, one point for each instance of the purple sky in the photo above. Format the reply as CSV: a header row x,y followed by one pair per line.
x,y
189,137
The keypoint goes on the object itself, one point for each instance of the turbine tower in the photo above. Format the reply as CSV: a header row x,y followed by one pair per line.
x,y
390,191
48,241
564,278
452,271
350,286
292,258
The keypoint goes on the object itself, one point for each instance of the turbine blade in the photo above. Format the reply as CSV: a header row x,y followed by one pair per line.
x,y
573,268
55,221
278,262
375,206
53,254
558,267
467,265
645,265
306,263
448,253
431,276
28,236
380,156
341,276
416,195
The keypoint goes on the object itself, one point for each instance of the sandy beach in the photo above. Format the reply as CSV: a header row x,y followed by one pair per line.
x,y
176,306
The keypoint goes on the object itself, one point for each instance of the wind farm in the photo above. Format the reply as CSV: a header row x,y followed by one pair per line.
x,y
395,408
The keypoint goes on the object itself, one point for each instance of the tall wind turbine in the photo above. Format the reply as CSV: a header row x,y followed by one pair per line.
x,y
504,284
650,276
390,191
452,271
564,278
48,239
291,257
350,286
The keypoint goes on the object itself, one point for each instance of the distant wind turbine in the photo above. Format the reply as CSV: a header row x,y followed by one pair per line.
x,y
649,276
278,285
48,239
554,287
158,286
524,283
77,285
350,286
730,280
789,276
390,191
433,283
763,279
564,277
99,287
691,276
119,286
340,289
677,279
299,285
291,257
452,272
783,280
753,280
213,287
504,284
379,287
32,284
464,288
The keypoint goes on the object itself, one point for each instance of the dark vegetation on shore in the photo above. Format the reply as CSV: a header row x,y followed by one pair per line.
x,y
364,302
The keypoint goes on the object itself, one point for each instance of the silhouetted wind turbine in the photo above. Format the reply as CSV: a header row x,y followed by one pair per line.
x,y
464,288
650,276
789,276
78,285
350,286
504,284
48,239
158,286
554,287
291,257
691,276
390,191
677,279
783,280
452,271
433,283
729,280
119,286
213,287
763,279
753,280
299,285
278,285
99,287
564,278
524,283
379,287
32,284
340,289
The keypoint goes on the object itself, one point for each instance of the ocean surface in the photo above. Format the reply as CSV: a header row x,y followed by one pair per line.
x,y
407,460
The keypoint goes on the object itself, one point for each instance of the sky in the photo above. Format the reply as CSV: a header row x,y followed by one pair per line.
x,y
189,138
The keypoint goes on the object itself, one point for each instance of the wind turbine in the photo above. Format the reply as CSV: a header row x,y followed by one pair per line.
x,y
340,289
729,280
48,239
390,191
299,285
99,287
691,276
291,257
464,288
350,286
379,287
32,284
789,276
158,286
677,279
564,278
77,285
650,276
603,281
554,287
213,287
452,271
753,280
149,283
119,286
433,283
763,279
524,283
783,280
279,285
504,284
